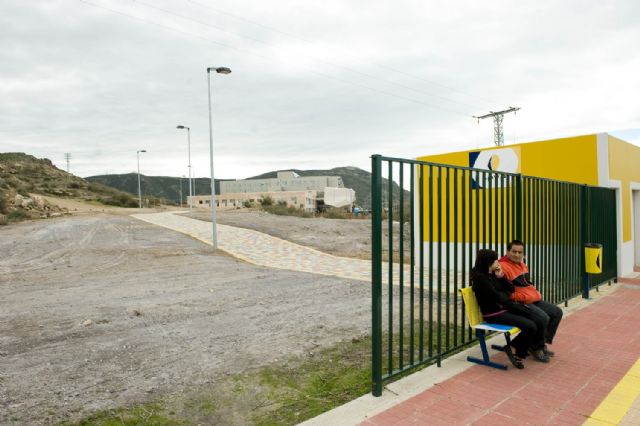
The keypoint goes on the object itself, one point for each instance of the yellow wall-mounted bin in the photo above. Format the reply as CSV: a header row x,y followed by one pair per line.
x,y
593,258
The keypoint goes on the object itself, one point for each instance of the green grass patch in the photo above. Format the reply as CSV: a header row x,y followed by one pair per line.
x,y
147,414
285,393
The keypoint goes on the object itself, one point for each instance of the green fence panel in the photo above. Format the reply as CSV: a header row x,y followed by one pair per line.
x,y
436,217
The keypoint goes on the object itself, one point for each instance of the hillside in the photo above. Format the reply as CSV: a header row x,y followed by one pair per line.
x,y
164,187
23,177
169,187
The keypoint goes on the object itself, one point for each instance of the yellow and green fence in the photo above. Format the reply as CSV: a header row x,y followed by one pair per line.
x,y
430,224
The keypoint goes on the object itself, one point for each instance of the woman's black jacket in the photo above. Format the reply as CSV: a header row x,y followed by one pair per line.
x,y
494,294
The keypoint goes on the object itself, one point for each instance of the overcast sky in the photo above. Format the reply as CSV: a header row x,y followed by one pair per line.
x,y
315,83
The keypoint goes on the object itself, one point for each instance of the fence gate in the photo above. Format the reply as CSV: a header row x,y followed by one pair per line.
x,y
429,220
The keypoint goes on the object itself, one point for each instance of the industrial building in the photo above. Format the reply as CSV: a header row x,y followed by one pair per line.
x,y
309,193
285,181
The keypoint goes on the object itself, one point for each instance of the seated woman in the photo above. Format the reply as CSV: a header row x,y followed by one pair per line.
x,y
493,293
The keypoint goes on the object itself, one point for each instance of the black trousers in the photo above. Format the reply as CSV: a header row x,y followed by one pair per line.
x,y
546,315
529,336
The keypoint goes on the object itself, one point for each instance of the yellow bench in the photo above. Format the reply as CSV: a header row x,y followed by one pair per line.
x,y
474,316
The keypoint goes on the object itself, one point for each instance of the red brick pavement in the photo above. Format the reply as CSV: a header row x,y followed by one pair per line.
x,y
594,347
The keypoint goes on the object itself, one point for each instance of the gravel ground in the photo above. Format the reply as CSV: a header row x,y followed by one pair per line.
x,y
340,237
101,310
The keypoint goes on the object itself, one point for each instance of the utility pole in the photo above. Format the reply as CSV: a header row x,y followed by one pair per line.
x,y
67,157
498,136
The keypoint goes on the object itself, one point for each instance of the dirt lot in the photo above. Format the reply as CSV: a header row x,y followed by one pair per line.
x,y
341,237
100,310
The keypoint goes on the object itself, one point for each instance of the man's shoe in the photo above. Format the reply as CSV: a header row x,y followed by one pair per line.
x,y
538,355
547,352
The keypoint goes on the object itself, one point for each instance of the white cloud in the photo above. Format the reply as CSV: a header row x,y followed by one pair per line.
x,y
317,84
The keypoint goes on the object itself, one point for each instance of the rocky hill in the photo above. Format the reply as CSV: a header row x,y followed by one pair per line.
x,y
24,177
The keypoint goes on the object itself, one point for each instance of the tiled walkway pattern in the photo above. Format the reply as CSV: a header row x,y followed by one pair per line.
x,y
595,348
262,249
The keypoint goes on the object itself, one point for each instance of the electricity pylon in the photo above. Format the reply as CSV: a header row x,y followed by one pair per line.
x,y
498,135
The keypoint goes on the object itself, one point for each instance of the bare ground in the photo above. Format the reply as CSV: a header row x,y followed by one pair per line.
x,y
340,237
166,314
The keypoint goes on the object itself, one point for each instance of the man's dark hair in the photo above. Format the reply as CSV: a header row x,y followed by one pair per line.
x,y
484,259
514,243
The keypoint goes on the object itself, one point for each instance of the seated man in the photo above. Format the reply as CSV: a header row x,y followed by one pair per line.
x,y
516,271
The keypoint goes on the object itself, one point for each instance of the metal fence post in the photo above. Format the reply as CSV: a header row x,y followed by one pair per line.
x,y
584,230
376,274
519,210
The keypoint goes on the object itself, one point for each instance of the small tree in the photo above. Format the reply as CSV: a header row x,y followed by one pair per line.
x,y
266,201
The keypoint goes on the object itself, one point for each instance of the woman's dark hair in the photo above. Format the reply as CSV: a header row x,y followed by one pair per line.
x,y
484,259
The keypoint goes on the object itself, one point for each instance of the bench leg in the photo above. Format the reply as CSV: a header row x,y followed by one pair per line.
x,y
485,354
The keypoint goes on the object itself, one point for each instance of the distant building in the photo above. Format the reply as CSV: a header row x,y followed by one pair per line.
x,y
305,192
285,181
306,200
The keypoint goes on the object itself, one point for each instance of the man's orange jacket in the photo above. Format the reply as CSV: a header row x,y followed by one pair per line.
x,y
518,274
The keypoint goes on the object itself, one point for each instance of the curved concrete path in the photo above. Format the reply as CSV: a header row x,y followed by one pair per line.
x,y
262,249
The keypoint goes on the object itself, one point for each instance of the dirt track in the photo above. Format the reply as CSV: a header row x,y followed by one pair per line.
x,y
166,315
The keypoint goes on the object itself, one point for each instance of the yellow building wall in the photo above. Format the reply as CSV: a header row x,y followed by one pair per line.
x,y
568,159
573,159
624,165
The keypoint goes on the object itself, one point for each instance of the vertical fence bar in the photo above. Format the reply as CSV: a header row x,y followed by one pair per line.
x,y
503,214
489,243
448,252
412,264
472,182
496,212
477,223
390,267
439,286
463,242
583,239
431,238
376,275
519,207
485,224
401,266
421,267
533,259
455,257
556,242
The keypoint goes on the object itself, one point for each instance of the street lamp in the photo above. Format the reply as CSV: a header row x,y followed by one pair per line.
x,y
190,175
214,238
139,190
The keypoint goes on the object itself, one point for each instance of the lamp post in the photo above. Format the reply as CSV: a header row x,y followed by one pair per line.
x,y
190,175
214,236
139,189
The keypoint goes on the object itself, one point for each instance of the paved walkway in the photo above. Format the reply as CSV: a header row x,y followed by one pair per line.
x,y
262,249
593,379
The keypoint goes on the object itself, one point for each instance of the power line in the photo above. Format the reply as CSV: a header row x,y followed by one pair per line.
x,y
206,24
399,71
166,27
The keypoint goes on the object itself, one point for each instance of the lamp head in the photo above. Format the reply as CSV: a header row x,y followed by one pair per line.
x,y
180,127
143,150
220,70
